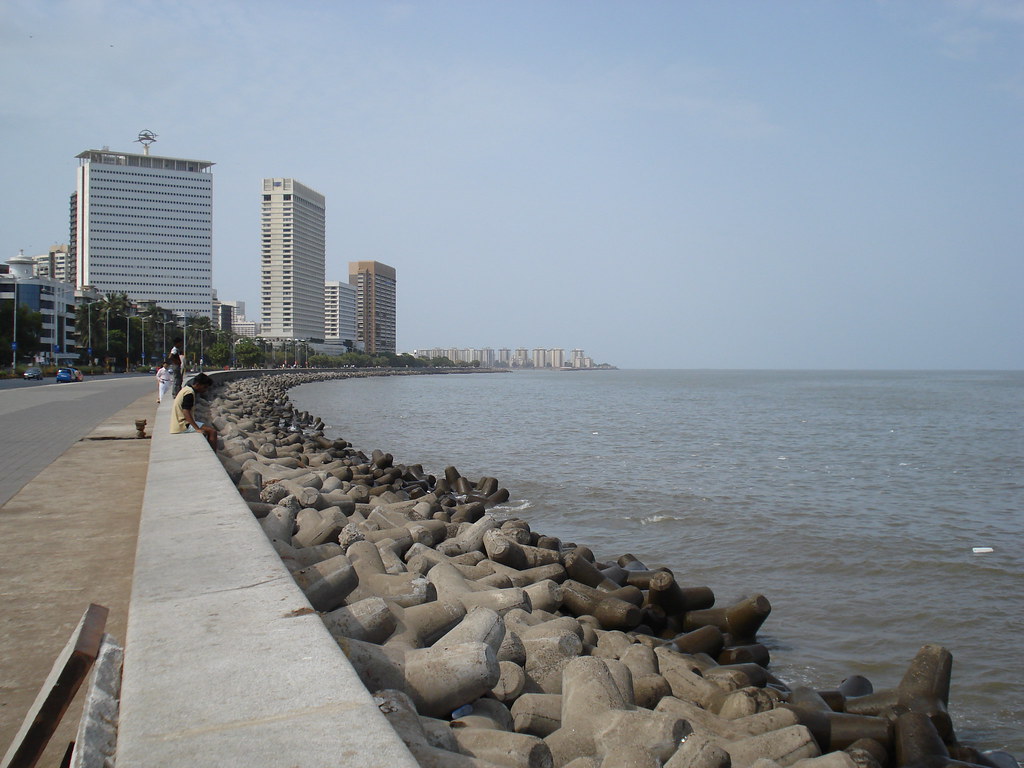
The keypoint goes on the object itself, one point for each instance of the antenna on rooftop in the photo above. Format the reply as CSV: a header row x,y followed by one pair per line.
x,y
145,139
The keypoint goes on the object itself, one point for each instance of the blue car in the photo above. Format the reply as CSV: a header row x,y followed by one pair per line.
x,y
65,375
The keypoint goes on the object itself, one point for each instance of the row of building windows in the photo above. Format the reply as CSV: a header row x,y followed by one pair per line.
x,y
151,179
191,276
113,215
156,292
116,209
96,193
102,236
181,174
136,199
140,227
118,216
151,273
140,188
173,172
174,262
169,253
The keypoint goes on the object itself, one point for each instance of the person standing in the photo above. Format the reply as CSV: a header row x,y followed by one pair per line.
x,y
177,355
164,381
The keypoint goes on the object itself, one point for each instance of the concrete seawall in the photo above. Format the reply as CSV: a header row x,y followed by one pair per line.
x,y
226,663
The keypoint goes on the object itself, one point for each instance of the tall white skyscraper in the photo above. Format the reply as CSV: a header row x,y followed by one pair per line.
x,y
142,225
293,229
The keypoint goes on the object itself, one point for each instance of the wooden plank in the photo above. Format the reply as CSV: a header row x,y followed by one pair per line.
x,y
63,682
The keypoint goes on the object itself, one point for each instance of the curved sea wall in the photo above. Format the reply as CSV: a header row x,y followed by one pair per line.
x,y
291,575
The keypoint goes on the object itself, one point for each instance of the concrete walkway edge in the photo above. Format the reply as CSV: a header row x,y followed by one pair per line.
x,y
226,663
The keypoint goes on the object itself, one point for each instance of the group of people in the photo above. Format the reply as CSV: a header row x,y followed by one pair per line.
x,y
169,375
169,379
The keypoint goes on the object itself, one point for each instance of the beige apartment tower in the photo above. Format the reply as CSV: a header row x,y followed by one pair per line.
x,y
375,305
293,227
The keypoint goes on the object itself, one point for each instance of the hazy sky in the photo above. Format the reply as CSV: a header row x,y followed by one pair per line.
x,y
664,184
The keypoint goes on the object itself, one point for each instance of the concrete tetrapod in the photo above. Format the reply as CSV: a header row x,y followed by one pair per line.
x,y
369,620
589,693
515,750
438,680
400,711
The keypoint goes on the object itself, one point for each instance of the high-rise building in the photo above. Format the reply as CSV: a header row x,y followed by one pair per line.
x,y
142,225
54,264
248,328
375,304
293,228
339,312
226,313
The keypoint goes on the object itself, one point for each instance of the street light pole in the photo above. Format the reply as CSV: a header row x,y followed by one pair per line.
x,y
88,322
14,333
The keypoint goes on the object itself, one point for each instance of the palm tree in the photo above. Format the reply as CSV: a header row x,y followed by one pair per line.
x,y
155,321
197,330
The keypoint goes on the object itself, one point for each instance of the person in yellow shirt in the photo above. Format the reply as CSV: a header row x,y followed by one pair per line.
x,y
182,419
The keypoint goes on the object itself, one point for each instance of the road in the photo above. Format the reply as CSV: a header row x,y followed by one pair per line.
x,y
41,420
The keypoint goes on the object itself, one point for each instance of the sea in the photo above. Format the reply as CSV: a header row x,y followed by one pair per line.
x,y
878,511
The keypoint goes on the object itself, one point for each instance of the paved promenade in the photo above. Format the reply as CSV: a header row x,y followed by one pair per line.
x,y
69,512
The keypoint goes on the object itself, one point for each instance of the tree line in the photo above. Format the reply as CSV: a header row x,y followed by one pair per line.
x,y
115,334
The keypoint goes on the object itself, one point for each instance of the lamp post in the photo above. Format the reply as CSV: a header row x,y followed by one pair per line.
x,y
164,324
106,347
88,322
127,342
14,332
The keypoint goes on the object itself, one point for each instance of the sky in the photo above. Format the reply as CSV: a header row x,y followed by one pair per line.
x,y
794,184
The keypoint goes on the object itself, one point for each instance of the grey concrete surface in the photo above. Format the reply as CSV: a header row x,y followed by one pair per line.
x,y
225,661
69,533
39,422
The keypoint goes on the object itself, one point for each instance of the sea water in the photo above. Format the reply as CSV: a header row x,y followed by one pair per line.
x,y
855,501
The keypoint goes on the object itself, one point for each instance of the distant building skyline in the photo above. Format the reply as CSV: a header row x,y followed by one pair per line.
x,y
521,357
141,225
293,231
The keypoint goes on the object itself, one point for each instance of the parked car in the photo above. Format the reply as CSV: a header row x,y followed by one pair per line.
x,y
68,375
34,373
